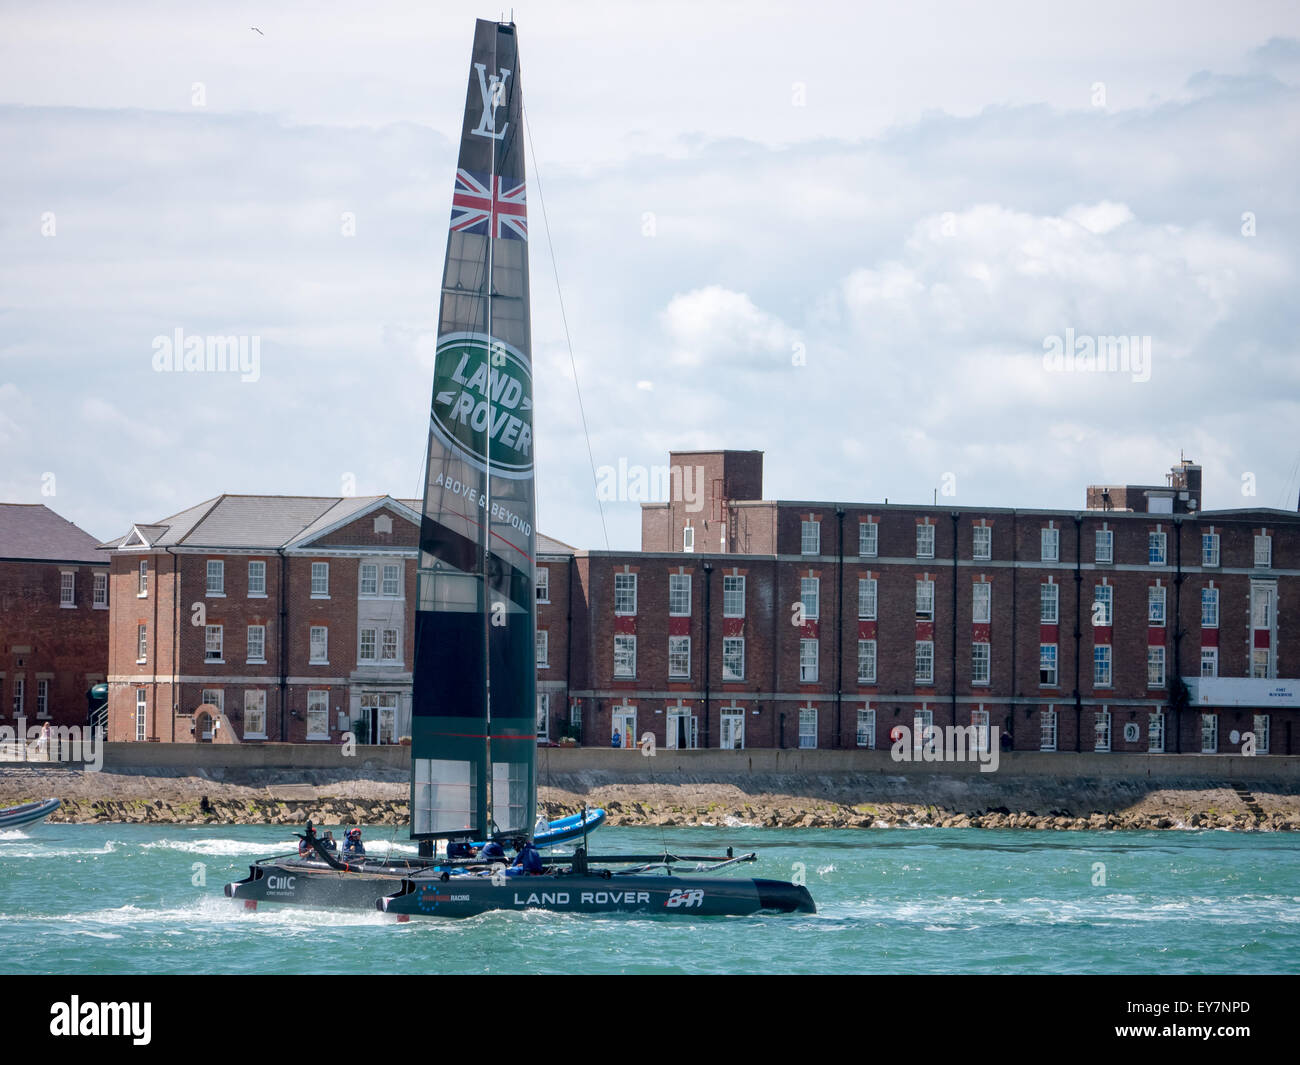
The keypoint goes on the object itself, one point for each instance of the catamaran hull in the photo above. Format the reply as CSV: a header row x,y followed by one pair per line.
x,y
318,888
667,896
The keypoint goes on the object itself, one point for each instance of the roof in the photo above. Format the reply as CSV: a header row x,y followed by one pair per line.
x,y
240,521
547,545
271,522
32,531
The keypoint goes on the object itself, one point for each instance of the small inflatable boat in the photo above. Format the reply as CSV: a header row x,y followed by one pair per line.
x,y
29,813
565,829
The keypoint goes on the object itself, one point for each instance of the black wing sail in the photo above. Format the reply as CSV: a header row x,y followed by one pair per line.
x,y
473,753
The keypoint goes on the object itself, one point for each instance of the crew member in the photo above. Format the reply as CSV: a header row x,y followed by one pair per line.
x,y
528,862
352,845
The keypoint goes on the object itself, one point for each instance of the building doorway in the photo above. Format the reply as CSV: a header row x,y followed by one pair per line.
x,y
379,715
624,733
682,730
732,730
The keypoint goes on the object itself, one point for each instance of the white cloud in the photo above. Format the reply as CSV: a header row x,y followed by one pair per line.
x,y
718,328
920,227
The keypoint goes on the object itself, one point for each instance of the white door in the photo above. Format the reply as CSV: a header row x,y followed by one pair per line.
x,y
543,716
1261,733
733,732
1209,733
922,722
624,728
807,727
388,721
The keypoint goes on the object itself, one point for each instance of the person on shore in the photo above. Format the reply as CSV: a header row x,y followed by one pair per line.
x,y
616,741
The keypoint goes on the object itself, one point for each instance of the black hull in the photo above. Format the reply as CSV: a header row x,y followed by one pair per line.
x,y
314,884
396,891
643,895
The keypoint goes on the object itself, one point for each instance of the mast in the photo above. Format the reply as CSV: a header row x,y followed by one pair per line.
x,y
473,743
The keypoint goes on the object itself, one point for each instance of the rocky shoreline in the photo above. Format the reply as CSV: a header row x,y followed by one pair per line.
x,y
894,815
815,802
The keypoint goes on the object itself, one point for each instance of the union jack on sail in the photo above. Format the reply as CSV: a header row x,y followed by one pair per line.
x,y
474,208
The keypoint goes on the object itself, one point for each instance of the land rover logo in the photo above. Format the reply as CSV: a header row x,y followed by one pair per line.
x,y
483,402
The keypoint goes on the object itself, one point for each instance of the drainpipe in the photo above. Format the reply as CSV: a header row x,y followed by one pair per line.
x,y
1078,629
839,629
774,685
176,633
568,649
1175,683
952,684
1015,632
708,629
284,639
156,644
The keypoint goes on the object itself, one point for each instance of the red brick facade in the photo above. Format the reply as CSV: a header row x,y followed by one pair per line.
x,y
936,547
1064,630
54,617
207,610
50,654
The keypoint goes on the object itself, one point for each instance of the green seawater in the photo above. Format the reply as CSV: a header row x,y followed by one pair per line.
x,y
107,899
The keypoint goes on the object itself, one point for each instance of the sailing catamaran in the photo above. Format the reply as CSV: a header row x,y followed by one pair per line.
x,y
473,744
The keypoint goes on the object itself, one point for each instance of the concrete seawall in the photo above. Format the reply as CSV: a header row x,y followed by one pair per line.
x,y
669,766
288,783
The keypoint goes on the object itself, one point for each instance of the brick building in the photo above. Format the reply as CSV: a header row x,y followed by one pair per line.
x,y
54,616
793,623
274,617
744,621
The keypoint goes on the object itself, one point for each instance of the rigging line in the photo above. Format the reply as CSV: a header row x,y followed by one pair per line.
x,y
1286,487
568,339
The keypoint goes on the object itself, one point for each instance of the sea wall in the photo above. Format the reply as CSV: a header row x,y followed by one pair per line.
x,y
287,783
665,766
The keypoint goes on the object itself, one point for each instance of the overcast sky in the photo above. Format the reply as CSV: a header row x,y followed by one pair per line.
x,y
841,234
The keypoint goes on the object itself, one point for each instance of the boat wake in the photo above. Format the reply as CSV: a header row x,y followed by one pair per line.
x,y
222,848
38,848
